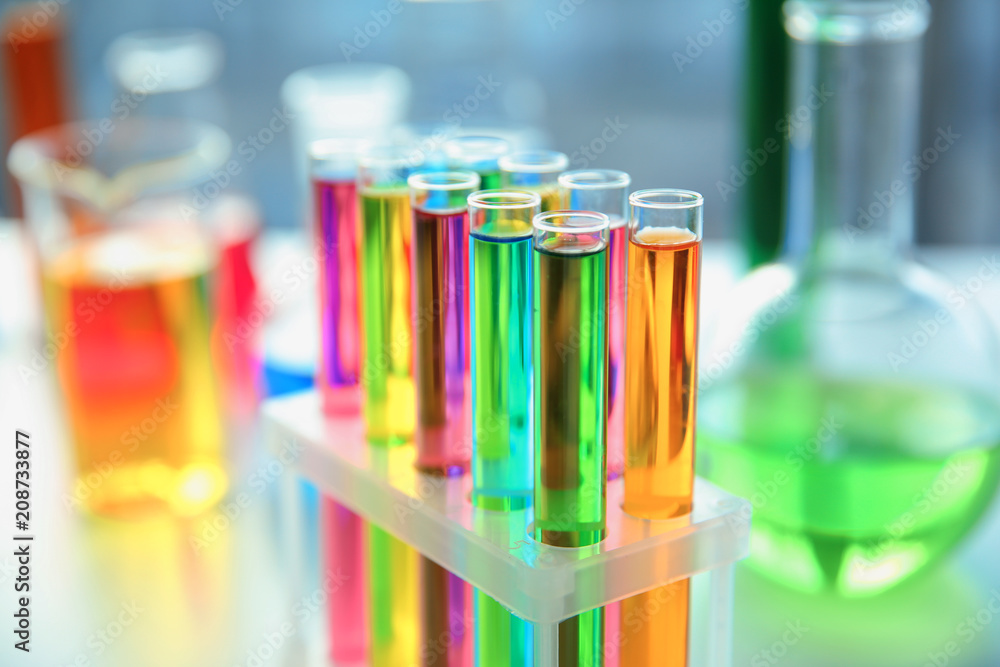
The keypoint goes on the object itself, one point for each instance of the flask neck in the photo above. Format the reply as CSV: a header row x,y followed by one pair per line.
x,y
853,122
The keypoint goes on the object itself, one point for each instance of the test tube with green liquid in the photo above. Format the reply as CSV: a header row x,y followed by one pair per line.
x,y
570,407
502,475
480,154
535,171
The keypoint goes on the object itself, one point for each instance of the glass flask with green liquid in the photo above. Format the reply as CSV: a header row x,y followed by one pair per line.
x,y
851,394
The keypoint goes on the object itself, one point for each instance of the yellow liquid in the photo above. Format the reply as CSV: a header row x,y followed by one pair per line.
x,y
387,325
128,313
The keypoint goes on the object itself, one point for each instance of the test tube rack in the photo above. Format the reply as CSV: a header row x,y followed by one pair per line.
x,y
495,551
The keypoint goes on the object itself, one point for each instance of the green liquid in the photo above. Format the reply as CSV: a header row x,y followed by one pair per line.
x,y
854,486
500,303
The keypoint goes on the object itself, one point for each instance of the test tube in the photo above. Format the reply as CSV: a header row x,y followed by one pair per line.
x,y
479,154
606,191
571,372
502,475
660,387
385,282
535,171
440,266
440,307
333,172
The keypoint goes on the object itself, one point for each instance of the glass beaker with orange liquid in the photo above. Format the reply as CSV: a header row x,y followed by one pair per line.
x,y
125,269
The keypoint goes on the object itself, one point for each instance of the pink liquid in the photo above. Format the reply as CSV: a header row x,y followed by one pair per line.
x,y
344,559
440,307
616,350
337,248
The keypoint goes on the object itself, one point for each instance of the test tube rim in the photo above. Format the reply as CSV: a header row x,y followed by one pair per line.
x,y
329,148
526,199
539,222
860,22
686,199
390,156
463,179
502,144
544,162
616,179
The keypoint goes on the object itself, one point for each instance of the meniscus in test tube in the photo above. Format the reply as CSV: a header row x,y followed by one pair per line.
x,y
606,191
440,304
535,171
333,172
502,474
386,346
663,275
571,371
480,154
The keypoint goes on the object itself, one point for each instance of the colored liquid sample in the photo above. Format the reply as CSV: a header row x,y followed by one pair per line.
x,y
490,180
393,571
337,249
617,253
441,371
387,341
571,391
654,627
502,639
571,356
552,199
660,384
344,558
501,269
129,313
447,627
855,486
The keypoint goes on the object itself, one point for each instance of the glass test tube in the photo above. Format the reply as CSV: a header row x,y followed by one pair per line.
x,y
388,403
571,374
440,302
536,171
479,154
660,387
385,282
440,307
606,191
502,474
333,170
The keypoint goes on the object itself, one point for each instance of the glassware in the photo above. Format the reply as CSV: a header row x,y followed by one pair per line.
x,y
759,174
571,374
500,273
480,154
535,171
125,269
664,236
852,396
606,191
388,400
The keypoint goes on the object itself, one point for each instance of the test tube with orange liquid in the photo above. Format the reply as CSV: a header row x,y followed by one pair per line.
x,y
660,389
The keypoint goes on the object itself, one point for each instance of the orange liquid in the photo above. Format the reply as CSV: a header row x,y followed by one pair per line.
x,y
128,313
662,334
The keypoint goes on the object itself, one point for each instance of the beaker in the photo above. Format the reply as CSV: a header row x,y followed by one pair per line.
x,y
125,271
